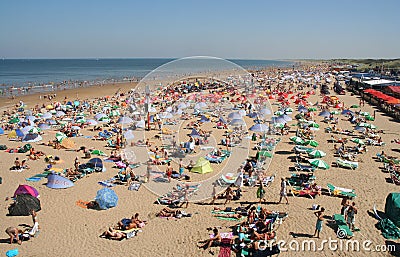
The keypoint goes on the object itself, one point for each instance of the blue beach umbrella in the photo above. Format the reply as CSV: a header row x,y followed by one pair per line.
x,y
106,198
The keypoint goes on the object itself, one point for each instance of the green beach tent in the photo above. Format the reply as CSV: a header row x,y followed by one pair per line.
x,y
392,208
202,166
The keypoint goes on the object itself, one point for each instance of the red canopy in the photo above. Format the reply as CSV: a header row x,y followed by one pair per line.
x,y
394,89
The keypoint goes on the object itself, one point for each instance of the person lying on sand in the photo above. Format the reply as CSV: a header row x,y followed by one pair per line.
x,y
113,234
166,212
228,215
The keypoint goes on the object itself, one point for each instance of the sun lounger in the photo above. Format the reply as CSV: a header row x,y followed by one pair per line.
x,y
395,178
301,191
343,231
333,190
346,164
302,149
300,167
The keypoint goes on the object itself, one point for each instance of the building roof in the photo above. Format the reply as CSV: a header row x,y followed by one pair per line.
x,y
378,82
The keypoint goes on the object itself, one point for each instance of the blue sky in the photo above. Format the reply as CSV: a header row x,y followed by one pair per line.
x,y
227,29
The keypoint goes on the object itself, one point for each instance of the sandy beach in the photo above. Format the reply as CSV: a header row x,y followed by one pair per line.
x,y
69,230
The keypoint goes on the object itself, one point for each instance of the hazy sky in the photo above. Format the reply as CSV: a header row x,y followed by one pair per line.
x,y
227,29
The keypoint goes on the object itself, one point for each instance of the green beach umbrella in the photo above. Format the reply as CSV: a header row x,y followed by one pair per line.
x,y
311,142
34,130
278,113
354,106
60,136
312,109
319,163
14,120
335,112
279,125
313,125
264,154
369,117
357,141
317,153
371,126
297,140
98,152
364,113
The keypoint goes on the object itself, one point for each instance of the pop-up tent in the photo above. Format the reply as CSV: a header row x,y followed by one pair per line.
x,y
106,198
202,166
392,208
96,164
58,182
23,204
26,190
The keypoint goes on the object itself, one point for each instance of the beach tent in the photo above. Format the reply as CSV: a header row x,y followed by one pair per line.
x,y
195,133
58,182
96,163
67,143
26,190
31,137
202,166
392,208
106,198
15,133
23,204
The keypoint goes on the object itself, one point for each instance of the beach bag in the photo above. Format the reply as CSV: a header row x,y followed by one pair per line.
x,y
12,252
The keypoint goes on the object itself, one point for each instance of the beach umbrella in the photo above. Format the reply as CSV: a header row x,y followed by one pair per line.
x,y
14,120
60,114
128,135
234,115
81,120
47,115
31,119
1,131
264,154
124,120
371,126
285,117
204,119
303,109
165,115
237,122
182,106
114,113
318,163
98,152
279,125
91,122
76,128
106,198
335,112
140,124
99,116
344,112
60,136
312,109
313,125
259,128
357,141
242,113
26,190
370,118
317,153
354,106
364,113
15,133
311,143
324,114
265,111
361,129
297,140
279,113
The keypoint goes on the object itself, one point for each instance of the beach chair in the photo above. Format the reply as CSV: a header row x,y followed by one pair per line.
x,y
340,191
343,230
346,164
304,168
395,178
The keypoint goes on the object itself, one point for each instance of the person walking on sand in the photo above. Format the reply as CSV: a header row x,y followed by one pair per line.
x,y
320,220
283,192
261,192
169,172
350,215
214,193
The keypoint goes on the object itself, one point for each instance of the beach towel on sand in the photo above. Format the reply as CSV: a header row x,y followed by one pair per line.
x,y
82,204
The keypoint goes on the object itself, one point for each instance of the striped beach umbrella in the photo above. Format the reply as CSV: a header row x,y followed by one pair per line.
x,y
311,143
297,140
357,141
319,164
317,153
